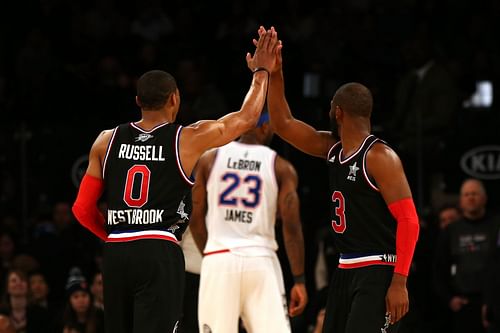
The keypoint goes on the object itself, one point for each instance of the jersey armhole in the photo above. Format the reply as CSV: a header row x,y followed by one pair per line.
x,y
108,149
370,181
187,178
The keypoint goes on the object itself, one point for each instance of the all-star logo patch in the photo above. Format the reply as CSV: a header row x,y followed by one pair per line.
x,y
352,172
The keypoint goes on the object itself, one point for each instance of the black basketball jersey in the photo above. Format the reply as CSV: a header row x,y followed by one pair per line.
x,y
146,186
361,220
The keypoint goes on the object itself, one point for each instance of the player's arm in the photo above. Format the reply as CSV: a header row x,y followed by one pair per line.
x,y
299,134
91,187
288,204
199,195
203,135
385,167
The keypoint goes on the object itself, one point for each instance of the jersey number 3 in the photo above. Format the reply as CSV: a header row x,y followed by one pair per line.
x,y
340,226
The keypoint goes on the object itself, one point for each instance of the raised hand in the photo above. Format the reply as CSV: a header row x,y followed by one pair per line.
x,y
267,47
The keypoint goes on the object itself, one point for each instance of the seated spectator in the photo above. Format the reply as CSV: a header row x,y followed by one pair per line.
x,y
97,290
447,215
39,290
80,315
24,317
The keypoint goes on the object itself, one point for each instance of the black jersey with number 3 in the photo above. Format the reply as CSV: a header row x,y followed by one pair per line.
x,y
361,220
146,186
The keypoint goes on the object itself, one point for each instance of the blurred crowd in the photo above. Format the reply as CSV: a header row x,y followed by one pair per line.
x,y
68,69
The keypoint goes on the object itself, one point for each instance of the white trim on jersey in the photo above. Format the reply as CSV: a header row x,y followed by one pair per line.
x,y
364,168
330,150
355,153
107,151
144,234
134,125
178,157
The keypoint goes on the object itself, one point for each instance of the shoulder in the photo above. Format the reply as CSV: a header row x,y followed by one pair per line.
x,y
381,155
284,169
104,137
205,163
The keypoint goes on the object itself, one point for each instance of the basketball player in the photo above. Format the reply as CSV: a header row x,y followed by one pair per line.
x,y
235,198
374,219
145,168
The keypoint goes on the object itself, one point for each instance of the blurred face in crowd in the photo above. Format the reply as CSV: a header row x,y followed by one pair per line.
x,y
39,287
80,301
448,216
62,214
96,288
17,285
473,199
6,246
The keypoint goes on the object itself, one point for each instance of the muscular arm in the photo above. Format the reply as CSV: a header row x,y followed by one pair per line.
x,y
299,134
199,194
386,168
203,135
288,204
85,207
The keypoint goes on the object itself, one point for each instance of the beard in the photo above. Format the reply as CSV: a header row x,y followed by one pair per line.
x,y
335,129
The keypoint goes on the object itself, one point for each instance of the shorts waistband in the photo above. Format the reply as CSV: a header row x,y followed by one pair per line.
x,y
356,260
143,234
216,252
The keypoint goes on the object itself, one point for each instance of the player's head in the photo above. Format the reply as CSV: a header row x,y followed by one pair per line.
x,y
156,90
352,99
263,129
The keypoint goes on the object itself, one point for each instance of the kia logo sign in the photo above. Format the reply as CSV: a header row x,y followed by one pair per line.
x,y
482,162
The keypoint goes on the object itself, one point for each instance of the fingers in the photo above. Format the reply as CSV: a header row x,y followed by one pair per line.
x,y
274,40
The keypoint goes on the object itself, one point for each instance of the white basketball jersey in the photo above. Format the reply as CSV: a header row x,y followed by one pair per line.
x,y
242,194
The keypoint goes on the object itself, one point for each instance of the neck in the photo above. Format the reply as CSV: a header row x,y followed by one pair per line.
x,y
352,135
81,317
151,119
475,215
249,139
18,302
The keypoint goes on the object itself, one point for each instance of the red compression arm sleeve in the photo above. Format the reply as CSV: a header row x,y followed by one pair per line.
x,y
407,233
85,206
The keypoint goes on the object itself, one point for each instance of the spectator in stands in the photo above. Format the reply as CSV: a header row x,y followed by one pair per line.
x,y
426,100
97,290
80,315
447,215
462,255
24,317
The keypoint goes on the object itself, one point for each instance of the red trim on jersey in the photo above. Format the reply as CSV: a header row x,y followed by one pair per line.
x,y
215,252
85,206
406,234
366,263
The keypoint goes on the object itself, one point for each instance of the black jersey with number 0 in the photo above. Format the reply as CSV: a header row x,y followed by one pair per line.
x,y
361,220
146,186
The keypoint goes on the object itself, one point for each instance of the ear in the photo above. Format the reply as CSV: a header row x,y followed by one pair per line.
x,y
175,98
338,112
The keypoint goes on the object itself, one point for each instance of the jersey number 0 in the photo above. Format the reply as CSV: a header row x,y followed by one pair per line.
x,y
132,175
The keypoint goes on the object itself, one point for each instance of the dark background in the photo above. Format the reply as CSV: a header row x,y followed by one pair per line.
x,y
68,69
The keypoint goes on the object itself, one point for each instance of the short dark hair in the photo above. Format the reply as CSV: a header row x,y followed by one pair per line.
x,y
354,98
154,88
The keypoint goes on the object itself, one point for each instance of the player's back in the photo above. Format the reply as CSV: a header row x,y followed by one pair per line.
x,y
146,186
242,194
361,220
